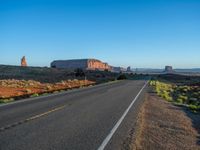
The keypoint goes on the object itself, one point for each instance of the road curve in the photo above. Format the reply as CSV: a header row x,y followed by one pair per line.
x,y
75,120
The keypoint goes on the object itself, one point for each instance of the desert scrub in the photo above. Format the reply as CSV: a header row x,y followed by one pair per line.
x,y
194,108
164,90
122,77
75,80
34,95
187,95
166,95
48,88
28,91
6,100
44,94
182,99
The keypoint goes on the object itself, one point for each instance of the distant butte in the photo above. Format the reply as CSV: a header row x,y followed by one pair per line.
x,y
85,64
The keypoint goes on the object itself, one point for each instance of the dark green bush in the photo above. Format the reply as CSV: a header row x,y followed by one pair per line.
x,y
194,108
79,72
34,95
122,77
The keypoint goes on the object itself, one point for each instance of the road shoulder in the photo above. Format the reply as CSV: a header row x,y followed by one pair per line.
x,y
162,125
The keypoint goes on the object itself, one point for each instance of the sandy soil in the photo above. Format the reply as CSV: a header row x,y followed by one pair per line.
x,y
163,126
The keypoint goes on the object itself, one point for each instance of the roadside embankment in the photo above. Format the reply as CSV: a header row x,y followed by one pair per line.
x,y
162,125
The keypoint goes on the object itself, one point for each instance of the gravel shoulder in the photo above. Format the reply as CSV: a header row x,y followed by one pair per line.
x,y
162,125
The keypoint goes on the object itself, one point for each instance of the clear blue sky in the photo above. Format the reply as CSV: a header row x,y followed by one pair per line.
x,y
139,33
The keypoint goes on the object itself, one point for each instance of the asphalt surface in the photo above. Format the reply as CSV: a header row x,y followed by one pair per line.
x,y
74,120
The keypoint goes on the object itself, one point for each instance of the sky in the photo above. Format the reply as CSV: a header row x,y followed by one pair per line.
x,y
136,33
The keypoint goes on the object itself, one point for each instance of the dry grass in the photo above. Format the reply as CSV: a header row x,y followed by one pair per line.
x,y
163,126
16,88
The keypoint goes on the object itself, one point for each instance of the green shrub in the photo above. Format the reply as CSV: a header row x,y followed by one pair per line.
x,y
79,72
182,98
6,100
34,95
189,95
179,100
44,94
166,95
194,108
152,83
122,77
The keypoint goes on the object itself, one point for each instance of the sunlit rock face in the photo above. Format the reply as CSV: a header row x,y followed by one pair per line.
x,y
86,64
23,61
93,64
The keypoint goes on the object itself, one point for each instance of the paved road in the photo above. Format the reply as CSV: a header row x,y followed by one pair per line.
x,y
75,120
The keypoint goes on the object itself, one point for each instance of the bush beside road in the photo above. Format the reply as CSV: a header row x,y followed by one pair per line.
x,y
187,95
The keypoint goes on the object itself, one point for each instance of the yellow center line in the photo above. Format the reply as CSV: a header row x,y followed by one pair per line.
x,y
45,113
31,118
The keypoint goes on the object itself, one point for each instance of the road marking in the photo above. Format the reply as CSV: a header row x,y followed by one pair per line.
x,y
31,118
45,113
109,136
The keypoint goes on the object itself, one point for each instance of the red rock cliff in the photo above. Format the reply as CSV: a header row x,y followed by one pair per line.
x,y
94,64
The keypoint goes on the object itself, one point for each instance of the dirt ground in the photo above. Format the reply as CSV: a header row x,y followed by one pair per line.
x,y
164,126
16,88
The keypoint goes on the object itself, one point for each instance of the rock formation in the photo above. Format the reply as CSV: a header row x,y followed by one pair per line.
x,y
23,62
94,64
85,64
168,69
129,69
118,69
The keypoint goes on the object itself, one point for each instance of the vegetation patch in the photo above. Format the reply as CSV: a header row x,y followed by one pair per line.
x,y
18,89
187,95
6,100
122,77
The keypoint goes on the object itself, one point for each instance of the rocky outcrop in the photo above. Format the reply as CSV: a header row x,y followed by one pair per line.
x,y
94,64
23,61
129,69
85,64
168,69
118,69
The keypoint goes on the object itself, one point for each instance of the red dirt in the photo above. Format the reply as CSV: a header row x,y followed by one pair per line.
x,y
15,88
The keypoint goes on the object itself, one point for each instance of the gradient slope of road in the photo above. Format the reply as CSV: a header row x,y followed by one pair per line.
x,y
75,120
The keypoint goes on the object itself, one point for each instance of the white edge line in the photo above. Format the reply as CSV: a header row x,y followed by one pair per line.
x,y
109,136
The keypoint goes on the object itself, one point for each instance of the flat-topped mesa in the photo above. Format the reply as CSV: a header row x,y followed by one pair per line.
x,y
85,64
169,69
23,61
